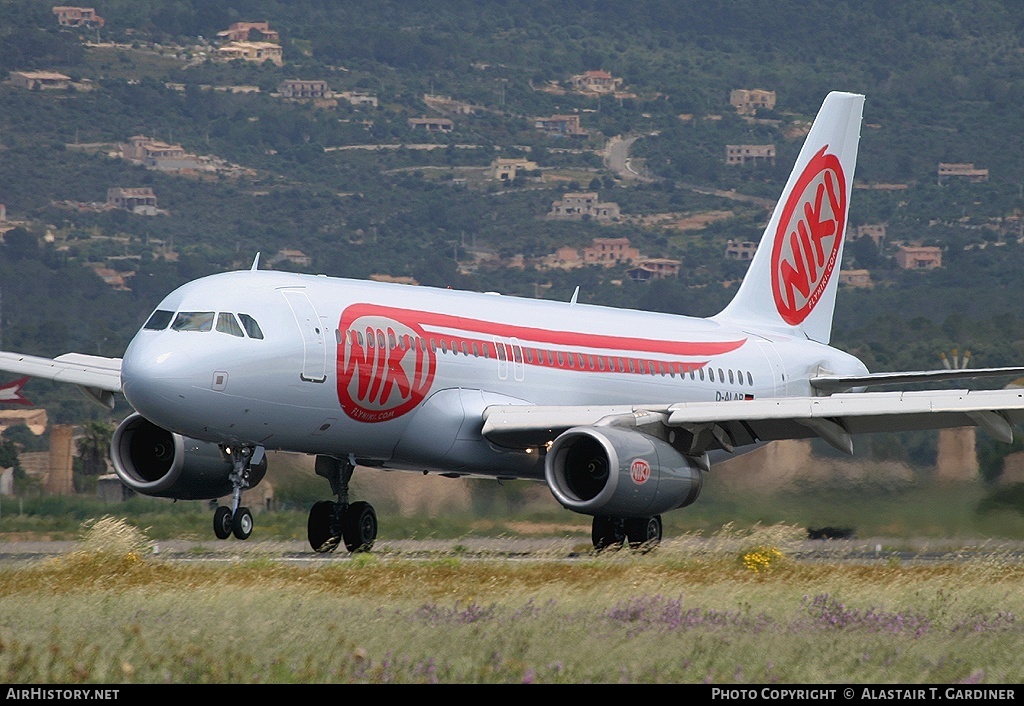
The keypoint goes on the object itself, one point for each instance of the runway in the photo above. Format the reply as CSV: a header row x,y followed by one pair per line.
x,y
552,549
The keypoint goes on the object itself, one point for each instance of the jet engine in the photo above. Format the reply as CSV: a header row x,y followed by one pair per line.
x,y
153,461
619,472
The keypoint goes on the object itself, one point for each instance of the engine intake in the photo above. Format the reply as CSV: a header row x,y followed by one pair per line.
x,y
153,461
619,472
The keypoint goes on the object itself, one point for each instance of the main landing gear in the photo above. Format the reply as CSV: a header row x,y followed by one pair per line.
x,y
237,520
639,532
331,522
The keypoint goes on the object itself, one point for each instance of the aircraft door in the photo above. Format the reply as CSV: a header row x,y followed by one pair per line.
x,y
509,353
518,364
501,353
314,345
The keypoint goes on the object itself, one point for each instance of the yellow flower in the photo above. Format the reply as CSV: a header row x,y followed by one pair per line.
x,y
761,559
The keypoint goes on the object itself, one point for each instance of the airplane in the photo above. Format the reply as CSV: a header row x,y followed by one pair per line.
x,y
621,413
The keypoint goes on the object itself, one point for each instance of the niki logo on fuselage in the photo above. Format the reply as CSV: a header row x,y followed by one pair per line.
x,y
808,237
385,367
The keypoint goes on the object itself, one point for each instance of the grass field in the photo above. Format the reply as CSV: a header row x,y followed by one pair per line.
x,y
735,607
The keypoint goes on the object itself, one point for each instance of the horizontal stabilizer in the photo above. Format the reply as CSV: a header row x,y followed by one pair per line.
x,y
839,383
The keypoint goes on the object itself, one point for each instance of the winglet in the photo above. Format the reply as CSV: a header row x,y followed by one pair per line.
x,y
792,281
255,263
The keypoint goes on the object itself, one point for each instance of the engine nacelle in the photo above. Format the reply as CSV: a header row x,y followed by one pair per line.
x,y
153,461
619,472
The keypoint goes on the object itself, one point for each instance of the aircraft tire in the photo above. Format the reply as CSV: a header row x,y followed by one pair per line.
x,y
241,524
605,532
643,532
222,523
319,527
360,527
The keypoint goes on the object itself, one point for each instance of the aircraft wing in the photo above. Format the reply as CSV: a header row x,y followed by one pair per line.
x,y
98,377
727,425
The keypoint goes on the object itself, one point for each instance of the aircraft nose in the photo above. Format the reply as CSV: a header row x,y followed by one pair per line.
x,y
155,376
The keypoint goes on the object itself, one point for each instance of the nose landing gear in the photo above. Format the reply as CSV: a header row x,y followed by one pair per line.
x,y
237,520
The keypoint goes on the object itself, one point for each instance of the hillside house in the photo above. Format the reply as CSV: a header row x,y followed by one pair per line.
x,y
875,231
748,101
35,419
610,251
856,278
139,200
357,98
304,89
566,257
68,16
40,80
744,154
444,104
156,154
966,171
250,31
257,52
508,169
740,250
575,206
431,124
917,257
653,268
568,125
595,81
141,148
112,278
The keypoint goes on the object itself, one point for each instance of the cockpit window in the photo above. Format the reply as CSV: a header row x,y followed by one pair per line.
x,y
193,321
251,327
159,320
226,324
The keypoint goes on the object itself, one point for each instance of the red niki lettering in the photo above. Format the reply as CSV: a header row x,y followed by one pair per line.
x,y
640,471
808,238
385,367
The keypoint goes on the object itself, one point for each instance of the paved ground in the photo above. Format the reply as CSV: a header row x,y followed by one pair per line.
x,y
550,548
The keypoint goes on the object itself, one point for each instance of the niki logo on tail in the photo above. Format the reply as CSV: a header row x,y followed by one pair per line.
x,y
808,239
11,392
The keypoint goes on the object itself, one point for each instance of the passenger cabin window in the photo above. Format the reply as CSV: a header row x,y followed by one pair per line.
x,y
251,327
226,323
159,320
193,321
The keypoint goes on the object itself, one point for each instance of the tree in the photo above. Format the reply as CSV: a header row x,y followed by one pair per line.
x,y
94,447
21,244
9,456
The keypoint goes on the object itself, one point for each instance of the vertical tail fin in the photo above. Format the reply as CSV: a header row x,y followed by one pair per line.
x,y
792,281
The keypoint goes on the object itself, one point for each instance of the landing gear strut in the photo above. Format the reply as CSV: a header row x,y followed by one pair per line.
x,y
640,532
330,522
238,520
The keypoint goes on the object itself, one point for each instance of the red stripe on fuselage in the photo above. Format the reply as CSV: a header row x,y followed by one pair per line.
x,y
535,356
529,334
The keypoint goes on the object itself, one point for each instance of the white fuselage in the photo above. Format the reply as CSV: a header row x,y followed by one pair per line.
x,y
399,376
